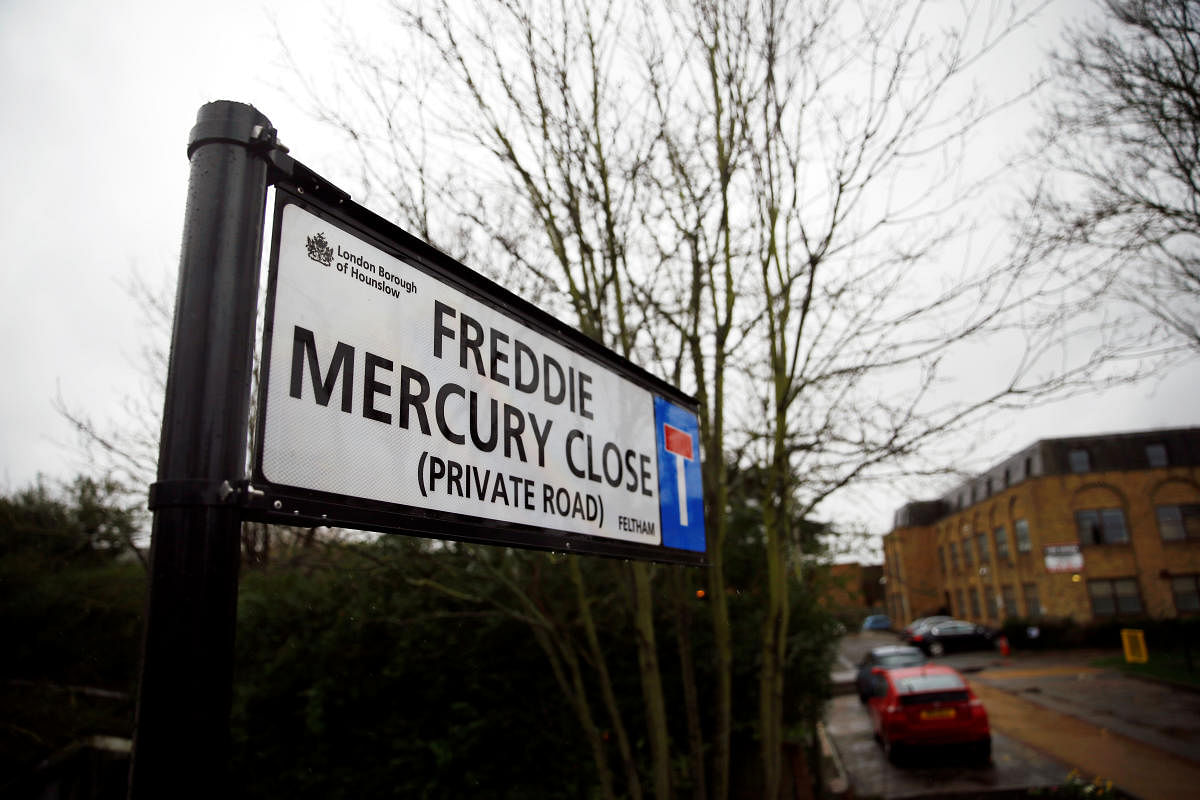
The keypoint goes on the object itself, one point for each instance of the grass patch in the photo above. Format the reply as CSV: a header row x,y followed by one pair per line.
x,y
1168,665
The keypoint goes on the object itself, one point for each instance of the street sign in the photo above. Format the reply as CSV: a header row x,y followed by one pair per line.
x,y
403,392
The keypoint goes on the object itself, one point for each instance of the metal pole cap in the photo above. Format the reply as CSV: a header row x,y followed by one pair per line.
x,y
231,122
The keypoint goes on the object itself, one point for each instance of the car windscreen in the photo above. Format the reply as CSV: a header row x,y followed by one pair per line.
x,y
918,684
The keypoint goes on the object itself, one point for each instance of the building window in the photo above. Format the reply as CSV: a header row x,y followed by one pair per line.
x,y
1033,606
1156,455
960,606
1029,467
1002,544
1101,526
988,489
992,605
1186,589
1021,529
981,547
1079,461
966,550
1010,601
1007,478
942,559
1112,597
1176,523
954,555
974,595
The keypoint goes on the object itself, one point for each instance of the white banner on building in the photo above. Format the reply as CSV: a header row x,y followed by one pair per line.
x,y
1063,558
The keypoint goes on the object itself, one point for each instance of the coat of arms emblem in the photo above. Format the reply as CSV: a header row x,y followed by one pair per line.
x,y
319,249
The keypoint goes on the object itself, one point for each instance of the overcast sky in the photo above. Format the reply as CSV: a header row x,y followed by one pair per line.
x,y
99,99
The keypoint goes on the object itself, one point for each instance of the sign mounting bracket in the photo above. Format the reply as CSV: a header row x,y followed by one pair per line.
x,y
200,492
287,170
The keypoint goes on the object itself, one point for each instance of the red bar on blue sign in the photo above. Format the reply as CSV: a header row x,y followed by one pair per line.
x,y
677,442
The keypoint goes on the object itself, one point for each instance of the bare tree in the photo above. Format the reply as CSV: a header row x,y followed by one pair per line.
x,y
1119,206
765,203
125,449
811,194
122,452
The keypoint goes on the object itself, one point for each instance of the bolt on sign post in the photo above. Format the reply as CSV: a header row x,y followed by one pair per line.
x,y
401,392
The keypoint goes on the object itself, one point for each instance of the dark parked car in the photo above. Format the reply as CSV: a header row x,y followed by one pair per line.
x,y
952,636
930,705
919,624
877,622
888,657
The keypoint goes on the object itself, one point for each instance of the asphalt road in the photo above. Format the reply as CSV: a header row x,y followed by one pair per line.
x,y
1050,713
1015,766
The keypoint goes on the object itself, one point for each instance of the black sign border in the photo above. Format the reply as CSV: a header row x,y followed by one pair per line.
x,y
291,505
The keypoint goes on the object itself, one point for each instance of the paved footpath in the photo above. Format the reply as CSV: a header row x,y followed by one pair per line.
x,y
1143,737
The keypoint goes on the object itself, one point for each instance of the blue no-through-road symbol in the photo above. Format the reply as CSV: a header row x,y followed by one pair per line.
x,y
680,488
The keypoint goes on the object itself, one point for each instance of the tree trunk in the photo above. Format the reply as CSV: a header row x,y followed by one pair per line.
x,y
561,654
656,710
718,598
774,646
610,701
687,672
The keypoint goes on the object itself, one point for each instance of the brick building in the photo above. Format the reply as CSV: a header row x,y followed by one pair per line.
x,y
853,589
1085,528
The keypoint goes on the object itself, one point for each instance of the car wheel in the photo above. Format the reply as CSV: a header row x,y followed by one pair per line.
x,y
893,750
937,649
982,754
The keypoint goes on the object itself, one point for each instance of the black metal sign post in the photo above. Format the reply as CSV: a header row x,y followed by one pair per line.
x,y
181,739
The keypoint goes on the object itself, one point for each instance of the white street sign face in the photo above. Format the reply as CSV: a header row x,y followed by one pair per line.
x,y
392,386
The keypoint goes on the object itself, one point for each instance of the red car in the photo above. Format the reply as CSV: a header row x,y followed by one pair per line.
x,y
927,705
